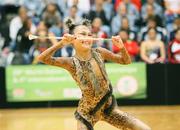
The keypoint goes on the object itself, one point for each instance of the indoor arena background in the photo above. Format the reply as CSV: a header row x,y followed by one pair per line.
x,y
34,96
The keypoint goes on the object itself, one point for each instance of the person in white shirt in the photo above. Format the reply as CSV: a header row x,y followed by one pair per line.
x,y
172,6
16,23
83,5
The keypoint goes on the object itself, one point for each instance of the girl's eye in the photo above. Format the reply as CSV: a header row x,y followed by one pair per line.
x,y
90,35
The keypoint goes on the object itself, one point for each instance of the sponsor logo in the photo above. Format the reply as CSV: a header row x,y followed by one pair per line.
x,y
127,86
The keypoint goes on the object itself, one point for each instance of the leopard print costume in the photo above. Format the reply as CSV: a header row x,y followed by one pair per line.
x,y
97,102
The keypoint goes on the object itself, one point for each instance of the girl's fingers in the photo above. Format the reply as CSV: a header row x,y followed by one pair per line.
x,y
69,36
116,37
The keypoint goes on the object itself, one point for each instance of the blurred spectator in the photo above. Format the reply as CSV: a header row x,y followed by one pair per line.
x,y
98,11
41,26
116,21
137,3
174,48
150,12
73,10
66,51
4,50
2,54
109,17
157,9
160,32
40,45
61,5
131,8
57,29
171,12
51,16
11,2
16,23
34,7
108,9
73,14
169,20
125,26
172,6
175,26
23,43
4,33
152,50
83,5
98,32
131,46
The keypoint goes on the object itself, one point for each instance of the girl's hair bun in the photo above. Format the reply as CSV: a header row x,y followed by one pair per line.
x,y
86,22
70,24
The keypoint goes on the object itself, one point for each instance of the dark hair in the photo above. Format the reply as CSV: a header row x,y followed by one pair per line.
x,y
71,25
26,23
74,6
124,30
151,18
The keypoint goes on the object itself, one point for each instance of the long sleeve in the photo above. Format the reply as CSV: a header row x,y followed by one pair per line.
x,y
47,58
122,58
14,27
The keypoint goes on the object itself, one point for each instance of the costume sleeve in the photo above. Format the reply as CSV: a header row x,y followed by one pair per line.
x,y
122,57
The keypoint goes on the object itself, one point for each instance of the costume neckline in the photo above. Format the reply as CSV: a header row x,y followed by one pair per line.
x,y
87,59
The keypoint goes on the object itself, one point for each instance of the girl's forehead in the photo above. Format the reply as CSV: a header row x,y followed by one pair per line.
x,y
82,28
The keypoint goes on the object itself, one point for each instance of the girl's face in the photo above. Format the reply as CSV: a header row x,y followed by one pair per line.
x,y
122,10
152,34
125,23
97,23
124,36
82,31
42,33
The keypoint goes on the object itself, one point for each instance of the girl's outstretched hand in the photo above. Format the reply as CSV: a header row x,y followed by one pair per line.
x,y
117,41
68,39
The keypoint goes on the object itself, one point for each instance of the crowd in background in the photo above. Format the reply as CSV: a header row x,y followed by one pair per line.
x,y
150,29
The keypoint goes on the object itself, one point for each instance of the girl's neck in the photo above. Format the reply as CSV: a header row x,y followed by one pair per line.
x,y
83,55
152,40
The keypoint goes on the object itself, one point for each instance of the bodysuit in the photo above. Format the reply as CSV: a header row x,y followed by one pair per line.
x,y
97,102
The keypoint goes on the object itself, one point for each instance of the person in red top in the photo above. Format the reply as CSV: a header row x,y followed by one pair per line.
x,y
131,46
174,49
137,3
97,30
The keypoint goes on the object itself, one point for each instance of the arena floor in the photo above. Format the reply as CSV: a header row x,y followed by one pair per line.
x,y
157,117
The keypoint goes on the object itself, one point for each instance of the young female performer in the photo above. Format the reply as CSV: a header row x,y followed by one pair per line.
x,y
87,69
